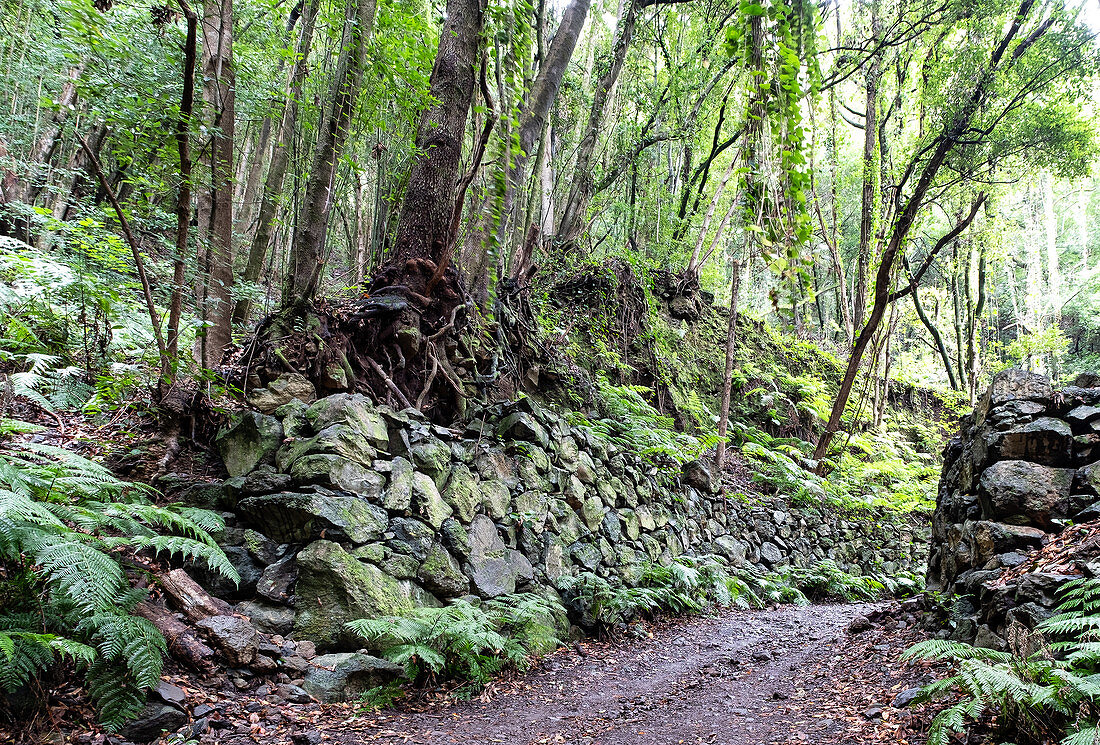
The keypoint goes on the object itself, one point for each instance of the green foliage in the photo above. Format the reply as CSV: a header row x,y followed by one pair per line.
x,y
1047,693
688,585
66,527
633,424
464,641
826,580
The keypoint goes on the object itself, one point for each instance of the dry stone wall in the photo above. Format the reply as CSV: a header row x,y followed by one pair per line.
x,y
339,509
1025,465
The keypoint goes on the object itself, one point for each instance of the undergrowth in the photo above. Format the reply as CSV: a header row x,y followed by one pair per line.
x,y
68,531
1047,687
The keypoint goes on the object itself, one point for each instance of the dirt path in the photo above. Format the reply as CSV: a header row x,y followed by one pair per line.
x,y
743,678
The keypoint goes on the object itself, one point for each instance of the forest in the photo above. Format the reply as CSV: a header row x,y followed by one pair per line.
x,y
360,358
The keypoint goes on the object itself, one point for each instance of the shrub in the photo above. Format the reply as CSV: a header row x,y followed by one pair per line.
x,y
827,580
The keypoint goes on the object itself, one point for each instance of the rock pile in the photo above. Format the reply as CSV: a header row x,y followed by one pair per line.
x,y
339,509
1026,465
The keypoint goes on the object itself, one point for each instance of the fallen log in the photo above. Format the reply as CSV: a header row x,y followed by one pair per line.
x,y
183,644
195,602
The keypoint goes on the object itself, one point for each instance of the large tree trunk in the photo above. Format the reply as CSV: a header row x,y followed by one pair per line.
x,y
423,229
307,247
576,205
264,236
216,207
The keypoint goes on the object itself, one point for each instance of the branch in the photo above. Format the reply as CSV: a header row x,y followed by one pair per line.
x,y
951,235
154,317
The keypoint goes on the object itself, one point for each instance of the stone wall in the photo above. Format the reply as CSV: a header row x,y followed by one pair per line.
x,y
1025,465
340,509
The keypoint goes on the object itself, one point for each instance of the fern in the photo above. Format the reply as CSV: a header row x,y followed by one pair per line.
x,y
66,525
1035,694
827,580
462,640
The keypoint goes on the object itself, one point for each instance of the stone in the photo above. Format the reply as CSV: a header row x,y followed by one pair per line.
x,y
334,587
906,697
355,410
278,579
429,505
859,624
524,427
250,439
281,391
463,493
496,497
1015,489
585,468
532,508
398,497
345,676
234,636
336,439
266,617
585,554
732,548
592,512
1088,478
296,517
1081,416
494,568
442,574
645,518
1016,383
988,538
497,465
170,694
1046,440
697,475
261,548
432,456
987,639
631,524
770,554
337,472
153,721
411,536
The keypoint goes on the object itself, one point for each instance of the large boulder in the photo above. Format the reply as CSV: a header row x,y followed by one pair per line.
x,y
336,439
337,472
987,539
346,676
281,391
463,493
296,517
1023,492
250,439
236,637
333,588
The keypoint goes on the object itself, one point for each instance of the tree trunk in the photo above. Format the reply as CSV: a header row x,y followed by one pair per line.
x,y
869,208
216,208
183,198
48,142
264,236
576,205
423,229
727,378
307,247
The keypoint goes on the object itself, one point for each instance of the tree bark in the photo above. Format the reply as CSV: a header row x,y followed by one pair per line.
x,y
183,197
264,236
869,208
48,142
576,205
216,207
424,226
307,247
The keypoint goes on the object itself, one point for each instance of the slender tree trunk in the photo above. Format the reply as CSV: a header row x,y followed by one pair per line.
x,y
251,185
50,140
869,209
727,378
216,208
264,236
307,248
183,197
576,205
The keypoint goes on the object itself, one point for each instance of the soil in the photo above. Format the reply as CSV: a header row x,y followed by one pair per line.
x,y
785,675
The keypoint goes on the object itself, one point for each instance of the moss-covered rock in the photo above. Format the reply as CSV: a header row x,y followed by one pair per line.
x,y
333,588
463,493
296,517
250,439
442,574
